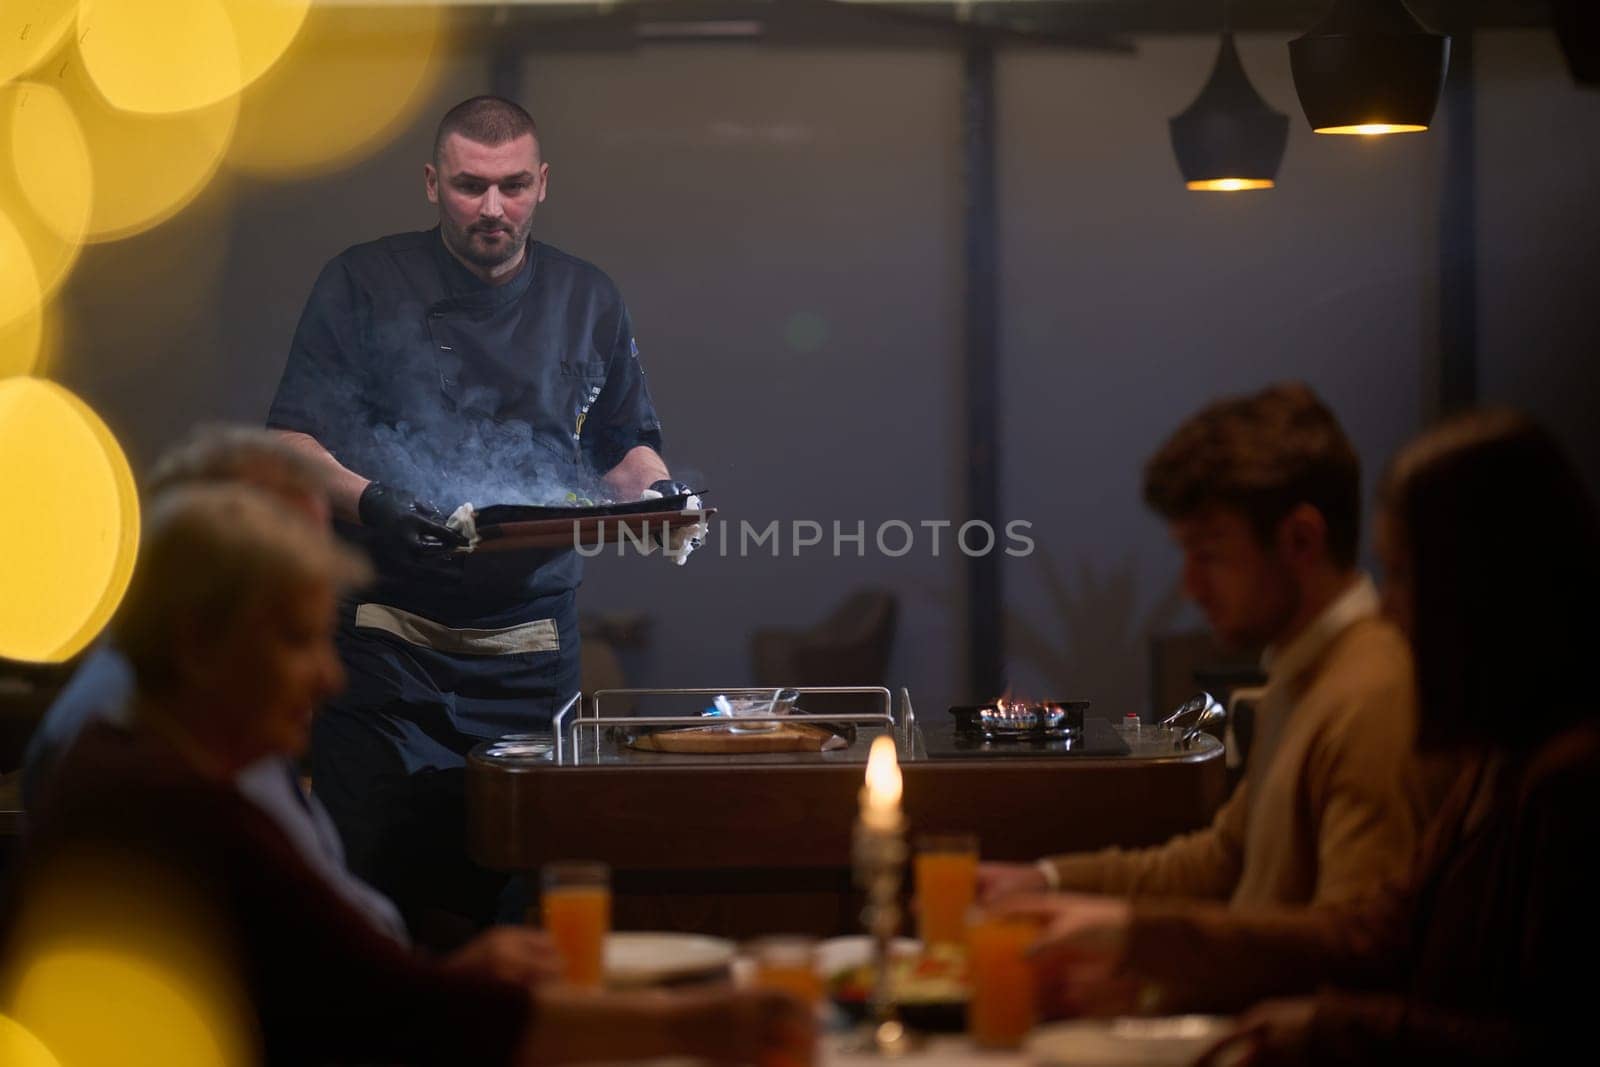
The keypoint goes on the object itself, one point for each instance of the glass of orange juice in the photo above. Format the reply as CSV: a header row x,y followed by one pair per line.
x,y
1004,1004
576,911
946,875
788,963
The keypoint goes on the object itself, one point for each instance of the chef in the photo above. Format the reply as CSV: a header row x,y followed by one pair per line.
x,y
466,363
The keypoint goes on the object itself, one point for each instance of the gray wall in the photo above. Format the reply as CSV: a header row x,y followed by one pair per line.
x,y
785,225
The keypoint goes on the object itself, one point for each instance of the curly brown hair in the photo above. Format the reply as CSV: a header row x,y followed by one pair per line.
x,y
1263,455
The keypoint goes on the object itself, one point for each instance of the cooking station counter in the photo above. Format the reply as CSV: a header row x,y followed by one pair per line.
x,y
740,844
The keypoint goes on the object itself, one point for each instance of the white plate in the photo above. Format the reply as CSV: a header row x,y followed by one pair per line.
x,y
1172,1041
645,959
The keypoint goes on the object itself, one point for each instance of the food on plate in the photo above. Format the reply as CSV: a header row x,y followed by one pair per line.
x,y
936,975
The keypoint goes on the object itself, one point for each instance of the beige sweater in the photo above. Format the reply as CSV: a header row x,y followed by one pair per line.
x,y
1330,804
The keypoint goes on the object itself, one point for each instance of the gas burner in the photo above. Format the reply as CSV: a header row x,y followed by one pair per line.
x,y
1006,720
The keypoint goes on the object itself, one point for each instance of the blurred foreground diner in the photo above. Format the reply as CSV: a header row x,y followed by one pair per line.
x,y
102,688
1491,546
145,853
1262,493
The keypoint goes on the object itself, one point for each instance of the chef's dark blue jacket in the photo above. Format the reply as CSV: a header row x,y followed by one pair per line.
x,y
412,371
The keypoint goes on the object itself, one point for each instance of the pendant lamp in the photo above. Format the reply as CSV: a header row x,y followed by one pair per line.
x,y
1369,67
1229,139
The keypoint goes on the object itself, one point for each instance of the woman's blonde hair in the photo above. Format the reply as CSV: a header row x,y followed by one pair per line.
x,y
210,555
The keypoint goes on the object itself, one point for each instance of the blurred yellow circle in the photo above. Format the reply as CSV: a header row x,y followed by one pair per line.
x,y
45,192
146,168
21,344
19,1048
105,1004
19,279
353,79
49,157
165,56
29,30
69,522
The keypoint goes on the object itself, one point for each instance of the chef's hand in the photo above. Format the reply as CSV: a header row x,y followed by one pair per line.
x,y
1271,1034
513,954
410,531
999,880
683,539
1079,955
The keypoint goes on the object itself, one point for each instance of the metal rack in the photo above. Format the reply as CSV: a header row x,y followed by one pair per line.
x,y
571,719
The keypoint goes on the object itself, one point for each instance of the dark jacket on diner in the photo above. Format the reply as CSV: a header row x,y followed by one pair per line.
x,y
135,839
1479,960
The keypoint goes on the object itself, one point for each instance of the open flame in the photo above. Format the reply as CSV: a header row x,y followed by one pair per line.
x,y
1006,703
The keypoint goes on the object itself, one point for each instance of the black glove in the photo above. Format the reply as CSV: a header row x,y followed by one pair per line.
x,y
668,487
409,531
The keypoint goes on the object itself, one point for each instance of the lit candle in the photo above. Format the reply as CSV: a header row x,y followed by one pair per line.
x,y
880,800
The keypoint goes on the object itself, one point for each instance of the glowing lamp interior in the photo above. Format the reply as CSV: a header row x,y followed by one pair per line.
x,y
1231,185
71,524
1371,129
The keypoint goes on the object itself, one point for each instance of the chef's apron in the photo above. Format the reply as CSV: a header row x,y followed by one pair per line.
x,y
388,754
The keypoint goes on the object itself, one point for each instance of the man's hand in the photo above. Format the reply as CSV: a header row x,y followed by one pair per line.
x,y
410,531
996,881
1273,1033
683,539
1079,954
510,953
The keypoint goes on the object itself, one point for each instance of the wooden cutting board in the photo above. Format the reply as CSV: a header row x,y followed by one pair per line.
x,y
712,740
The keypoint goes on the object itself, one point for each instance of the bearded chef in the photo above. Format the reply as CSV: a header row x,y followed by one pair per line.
x,y
421,362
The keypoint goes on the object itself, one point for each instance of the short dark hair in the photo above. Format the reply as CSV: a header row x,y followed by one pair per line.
x,y
490,120
1263,455
1502,541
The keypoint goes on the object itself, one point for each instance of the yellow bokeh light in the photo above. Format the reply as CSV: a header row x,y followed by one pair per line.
x,y
166,56
69,522
49,157
19,279
352,80
1370,129
29,31
146,168
22,344
119,958
1231,185
45,192
98,1004
19,1048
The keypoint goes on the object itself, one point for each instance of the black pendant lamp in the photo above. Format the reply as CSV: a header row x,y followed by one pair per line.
x,y
1369,67
1229,139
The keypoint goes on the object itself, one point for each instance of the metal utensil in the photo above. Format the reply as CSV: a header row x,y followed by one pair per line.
x,y
1192,717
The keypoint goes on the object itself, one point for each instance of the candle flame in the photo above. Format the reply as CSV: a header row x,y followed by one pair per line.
x,y
883,776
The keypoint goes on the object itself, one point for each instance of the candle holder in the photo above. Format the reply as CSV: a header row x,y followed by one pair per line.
x,y
879,855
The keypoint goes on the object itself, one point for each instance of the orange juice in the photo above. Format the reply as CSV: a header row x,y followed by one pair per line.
x,y
946,884
1003,1007
578,917
798,980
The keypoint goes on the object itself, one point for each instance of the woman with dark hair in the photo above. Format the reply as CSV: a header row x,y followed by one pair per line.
x,y
1491,545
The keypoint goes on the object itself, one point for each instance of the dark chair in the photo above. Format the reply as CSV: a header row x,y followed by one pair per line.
x,y
849,647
